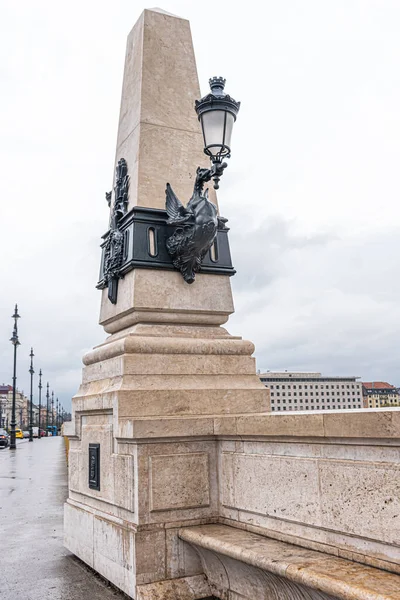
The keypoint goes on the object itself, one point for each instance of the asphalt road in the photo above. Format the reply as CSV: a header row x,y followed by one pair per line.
x,y
34,565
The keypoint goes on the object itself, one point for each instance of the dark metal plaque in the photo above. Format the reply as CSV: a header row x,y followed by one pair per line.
x,y
94,466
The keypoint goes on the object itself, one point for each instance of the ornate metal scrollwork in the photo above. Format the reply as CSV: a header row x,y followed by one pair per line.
x,y
197,224
114,246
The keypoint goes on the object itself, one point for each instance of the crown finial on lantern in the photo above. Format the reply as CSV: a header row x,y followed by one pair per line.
x,y
217,85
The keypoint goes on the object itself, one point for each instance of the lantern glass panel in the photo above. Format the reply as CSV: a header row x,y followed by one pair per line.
x,y
228,128
213,122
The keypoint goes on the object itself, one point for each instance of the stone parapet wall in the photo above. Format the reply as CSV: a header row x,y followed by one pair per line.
x,y
329,482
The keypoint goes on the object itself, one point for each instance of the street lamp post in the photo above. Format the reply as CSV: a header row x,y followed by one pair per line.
x,y
47,410
15,342
217,113
52,412
40,400
197,224
31,371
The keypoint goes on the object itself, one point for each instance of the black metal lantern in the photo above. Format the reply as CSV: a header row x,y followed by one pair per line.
x,y
217,113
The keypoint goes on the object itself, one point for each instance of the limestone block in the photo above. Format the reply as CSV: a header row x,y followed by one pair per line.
x,y
164,427
184,588
152,295
369,495
181,559
150,556
276,486
179,481
74,469
78,532
311,425
113,555
179,401
369,424
124,481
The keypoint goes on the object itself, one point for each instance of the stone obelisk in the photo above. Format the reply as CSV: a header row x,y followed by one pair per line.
x,y
156,394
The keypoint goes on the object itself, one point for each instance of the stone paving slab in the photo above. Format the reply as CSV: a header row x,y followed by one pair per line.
x,y
34,565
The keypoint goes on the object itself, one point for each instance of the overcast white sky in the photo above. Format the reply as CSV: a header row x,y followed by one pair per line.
x,y
311,193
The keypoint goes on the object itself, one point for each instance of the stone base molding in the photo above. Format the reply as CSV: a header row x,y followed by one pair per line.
x,y
240,565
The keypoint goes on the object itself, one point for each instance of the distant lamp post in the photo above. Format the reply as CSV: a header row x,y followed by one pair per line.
x,y
40,401
15,342
31,371
47,409
217,113
57,415
52,412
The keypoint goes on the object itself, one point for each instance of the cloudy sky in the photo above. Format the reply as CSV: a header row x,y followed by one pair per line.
x,y
312,190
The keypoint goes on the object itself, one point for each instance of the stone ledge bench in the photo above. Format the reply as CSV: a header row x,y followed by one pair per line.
x,y
241,565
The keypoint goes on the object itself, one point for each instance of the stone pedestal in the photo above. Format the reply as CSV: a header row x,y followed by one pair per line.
x,y
151,393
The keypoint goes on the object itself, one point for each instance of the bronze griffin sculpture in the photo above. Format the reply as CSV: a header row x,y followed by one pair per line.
x,y
197,224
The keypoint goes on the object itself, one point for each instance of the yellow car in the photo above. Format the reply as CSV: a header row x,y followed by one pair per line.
x,y
19,433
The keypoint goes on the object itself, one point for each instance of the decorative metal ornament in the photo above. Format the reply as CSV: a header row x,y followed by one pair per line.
x,y
94,466
197,226
114,246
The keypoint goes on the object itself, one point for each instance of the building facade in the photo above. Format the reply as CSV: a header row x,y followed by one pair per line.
x,y
21,409
292,391
380,394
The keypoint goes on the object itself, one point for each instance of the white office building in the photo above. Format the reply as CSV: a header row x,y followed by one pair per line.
x,y
291,391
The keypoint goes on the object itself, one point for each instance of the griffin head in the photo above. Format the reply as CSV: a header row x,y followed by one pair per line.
x,y
196,227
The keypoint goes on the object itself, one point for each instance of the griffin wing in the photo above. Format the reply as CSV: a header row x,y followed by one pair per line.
x,y
177,213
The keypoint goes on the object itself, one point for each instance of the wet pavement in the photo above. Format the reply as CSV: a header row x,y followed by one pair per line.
x,y
34,565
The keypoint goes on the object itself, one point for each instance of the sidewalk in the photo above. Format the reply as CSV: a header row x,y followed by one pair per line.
x,y
34,565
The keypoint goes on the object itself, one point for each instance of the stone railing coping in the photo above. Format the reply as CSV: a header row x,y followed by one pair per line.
x,y
371,424
341,578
